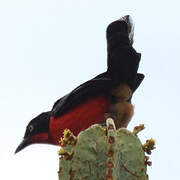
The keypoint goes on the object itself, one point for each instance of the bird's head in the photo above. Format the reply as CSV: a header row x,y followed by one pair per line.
x,y
36,131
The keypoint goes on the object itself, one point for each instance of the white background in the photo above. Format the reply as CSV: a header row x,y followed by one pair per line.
x,y
48,47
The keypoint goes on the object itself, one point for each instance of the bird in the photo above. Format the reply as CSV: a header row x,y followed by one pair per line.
x,y
107,94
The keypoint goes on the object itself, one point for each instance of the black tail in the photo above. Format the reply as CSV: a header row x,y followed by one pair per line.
x,y
123,60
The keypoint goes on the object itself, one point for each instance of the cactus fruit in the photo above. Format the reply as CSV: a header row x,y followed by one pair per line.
x,y
104,153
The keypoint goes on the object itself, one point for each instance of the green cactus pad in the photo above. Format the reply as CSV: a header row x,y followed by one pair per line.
x,y
104,154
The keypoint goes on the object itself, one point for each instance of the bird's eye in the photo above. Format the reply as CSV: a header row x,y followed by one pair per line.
x,y
31,128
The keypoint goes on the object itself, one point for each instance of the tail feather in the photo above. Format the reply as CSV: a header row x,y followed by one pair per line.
x,y
123,60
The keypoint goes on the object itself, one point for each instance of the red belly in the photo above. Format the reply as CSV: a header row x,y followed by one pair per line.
x,y
79,118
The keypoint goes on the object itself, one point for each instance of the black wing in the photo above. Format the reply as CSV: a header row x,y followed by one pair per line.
x,y
98,85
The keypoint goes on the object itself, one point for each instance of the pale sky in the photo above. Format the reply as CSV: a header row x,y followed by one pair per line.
x,y
48,47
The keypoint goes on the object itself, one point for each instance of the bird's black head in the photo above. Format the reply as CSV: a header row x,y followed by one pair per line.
x,y
36,131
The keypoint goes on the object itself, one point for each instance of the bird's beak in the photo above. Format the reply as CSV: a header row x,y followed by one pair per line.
x,y
25,142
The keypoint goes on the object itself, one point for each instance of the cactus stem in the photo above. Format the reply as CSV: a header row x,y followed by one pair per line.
x,y
104,153
133,174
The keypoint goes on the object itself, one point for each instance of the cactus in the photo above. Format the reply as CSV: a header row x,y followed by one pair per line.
x,y
104,153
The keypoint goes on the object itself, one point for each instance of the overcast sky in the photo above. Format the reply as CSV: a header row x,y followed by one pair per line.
x,y
48,47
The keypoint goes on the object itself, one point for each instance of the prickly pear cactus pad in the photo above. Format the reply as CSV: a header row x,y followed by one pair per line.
x,y
103,153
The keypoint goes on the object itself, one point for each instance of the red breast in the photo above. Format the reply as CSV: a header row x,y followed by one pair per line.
x,y
79,118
